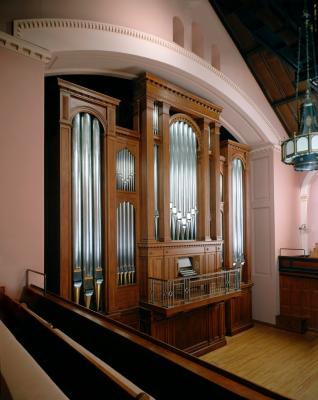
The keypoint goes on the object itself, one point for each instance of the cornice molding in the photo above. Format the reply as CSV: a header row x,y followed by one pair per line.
x,y
20,26
184,94
22,47
266,148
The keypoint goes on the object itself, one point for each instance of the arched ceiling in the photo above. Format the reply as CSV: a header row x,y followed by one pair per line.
x,y
266,33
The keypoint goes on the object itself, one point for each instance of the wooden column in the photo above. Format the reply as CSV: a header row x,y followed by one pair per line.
x,y
164,169
204,184
109,217
147,171
227,234
215,181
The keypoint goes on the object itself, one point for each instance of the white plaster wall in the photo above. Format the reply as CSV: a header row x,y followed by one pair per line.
x,y
21,168
155,17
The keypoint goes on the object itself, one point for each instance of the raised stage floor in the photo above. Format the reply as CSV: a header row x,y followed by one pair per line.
x,y
282,361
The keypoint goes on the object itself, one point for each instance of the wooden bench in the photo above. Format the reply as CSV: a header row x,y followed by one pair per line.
x,y
160,370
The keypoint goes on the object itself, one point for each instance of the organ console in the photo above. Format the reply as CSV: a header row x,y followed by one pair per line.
x,y
152,222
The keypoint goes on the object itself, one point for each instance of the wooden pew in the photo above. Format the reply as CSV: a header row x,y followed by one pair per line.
x,y
157,368
78,373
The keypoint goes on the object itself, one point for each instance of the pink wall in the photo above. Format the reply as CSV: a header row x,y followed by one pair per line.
x,y
21,168
287,204
313,213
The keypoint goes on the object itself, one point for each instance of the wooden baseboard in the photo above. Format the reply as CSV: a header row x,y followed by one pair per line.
x,y
240,329
255,321
205,347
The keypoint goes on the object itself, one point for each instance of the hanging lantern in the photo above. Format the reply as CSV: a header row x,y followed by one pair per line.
x,y
302,149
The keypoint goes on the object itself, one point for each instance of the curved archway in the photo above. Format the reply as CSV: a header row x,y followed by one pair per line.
x,y
89,47
178,31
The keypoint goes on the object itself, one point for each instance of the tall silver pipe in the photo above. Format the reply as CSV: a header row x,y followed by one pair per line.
x,y
156,188
87,213
237,213
76,207
97,195
133,244
182,181
97,211
87,195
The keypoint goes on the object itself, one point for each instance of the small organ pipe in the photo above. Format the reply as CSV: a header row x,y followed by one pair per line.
x,y
125,171
125,243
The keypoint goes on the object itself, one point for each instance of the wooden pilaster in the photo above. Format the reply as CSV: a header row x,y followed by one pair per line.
x,y
203,184
147,171
164,188
215,181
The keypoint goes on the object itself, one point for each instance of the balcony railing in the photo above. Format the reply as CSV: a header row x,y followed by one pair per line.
x,y
175,292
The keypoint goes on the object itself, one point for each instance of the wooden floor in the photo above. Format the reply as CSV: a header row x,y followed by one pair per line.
x,y
284,362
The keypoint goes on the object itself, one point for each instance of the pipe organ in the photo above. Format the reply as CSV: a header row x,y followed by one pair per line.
x,y
126,243
238,212
86,207
236,232
125,171
183,181
151,219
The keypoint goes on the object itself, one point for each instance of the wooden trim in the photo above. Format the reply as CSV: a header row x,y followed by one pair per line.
x,y
165,91
169,312
127,132
87,95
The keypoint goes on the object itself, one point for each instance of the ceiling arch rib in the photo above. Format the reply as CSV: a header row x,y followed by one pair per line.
x,y
101,48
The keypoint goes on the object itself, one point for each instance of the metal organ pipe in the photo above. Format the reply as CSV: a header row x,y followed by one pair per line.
x,y
125,243
86,208
125,171
183,197
238,213
97,210
76,207
156,191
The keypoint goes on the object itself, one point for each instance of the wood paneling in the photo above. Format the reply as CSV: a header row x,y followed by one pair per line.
x,y
239,311
207,329
298,279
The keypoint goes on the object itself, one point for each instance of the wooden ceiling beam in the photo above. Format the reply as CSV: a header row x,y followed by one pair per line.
x,y
287,99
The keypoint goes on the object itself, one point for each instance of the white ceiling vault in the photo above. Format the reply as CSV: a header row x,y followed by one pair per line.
x,y
90,47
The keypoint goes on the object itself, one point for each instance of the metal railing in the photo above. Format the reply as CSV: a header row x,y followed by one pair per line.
x,y
174,292
32,271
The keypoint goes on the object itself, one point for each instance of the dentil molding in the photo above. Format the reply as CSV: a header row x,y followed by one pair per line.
x,y
22,47
23,26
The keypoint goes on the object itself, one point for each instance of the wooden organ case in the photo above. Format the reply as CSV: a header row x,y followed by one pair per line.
x,y
235,173
140,234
